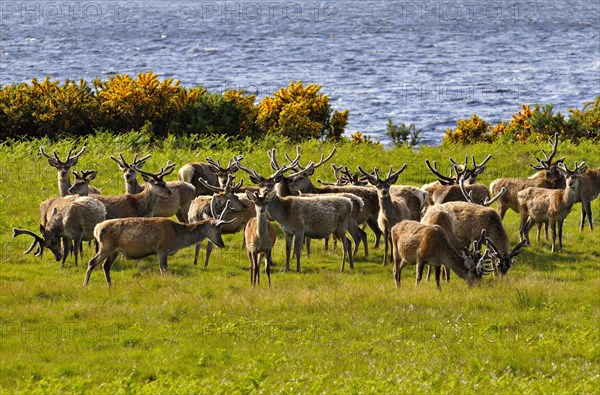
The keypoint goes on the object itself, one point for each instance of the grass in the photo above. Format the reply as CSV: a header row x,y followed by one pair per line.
x,y
205,330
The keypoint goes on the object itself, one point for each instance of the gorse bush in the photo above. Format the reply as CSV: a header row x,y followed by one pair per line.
x,y
122,104
402,134
301,112
537,124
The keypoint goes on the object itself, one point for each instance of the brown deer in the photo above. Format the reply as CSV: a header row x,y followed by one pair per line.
x,y
81,186
62,169
75,220
178,203
551,205
548,177
141,204
141,237
419,244
446,189
260,237
391,210
240,211
211,171
589,189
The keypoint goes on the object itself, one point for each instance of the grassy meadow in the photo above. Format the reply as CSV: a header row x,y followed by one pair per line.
x,y
206,330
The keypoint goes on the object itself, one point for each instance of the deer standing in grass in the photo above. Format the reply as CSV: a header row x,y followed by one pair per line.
x,y
71,219
589,189
391,210
62,170
178,203
210,171
547,177
141,204
419,244
240,211
549,205
260,236
137,238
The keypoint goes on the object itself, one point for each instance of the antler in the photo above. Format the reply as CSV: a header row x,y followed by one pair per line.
x,y
441,178
480,168
55,161
579,168
168,169
37,241
372,177
84,174
468,195
489,202
211,187
216,165
252,173
545,164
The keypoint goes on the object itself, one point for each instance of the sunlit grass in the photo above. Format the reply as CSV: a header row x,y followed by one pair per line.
x,y
205,330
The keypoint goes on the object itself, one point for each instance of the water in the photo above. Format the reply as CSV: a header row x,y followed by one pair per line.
x,y
428,63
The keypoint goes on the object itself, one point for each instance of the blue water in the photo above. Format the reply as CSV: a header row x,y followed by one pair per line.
x,y
428,63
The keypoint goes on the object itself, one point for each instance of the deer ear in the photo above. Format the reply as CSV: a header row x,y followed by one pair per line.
x,y
71,162
92,175
147,179
394,179
271,195
251,195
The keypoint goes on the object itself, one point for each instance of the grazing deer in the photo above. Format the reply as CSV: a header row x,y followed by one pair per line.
x,y
589,189
419,244
178,203
62,168
446,189
260,237
141,237
75,221
391,211
141,204
552,205
210,171
240,211
548,177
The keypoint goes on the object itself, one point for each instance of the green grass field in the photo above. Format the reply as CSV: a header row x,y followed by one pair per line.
x,y
206,330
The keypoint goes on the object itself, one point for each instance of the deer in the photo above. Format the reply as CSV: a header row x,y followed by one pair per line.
x,y
470,219
446,189
547,177
391,210
551,205
419,244
343,176
74,219
260,237
62,169
589,189
240,211
141,204
299,182
178,203
137,238
211,171
81,186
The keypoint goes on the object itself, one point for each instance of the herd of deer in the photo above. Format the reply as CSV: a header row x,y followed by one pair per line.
x,y
445,224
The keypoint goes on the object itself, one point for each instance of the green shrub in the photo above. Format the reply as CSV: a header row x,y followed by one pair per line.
x,y
402,135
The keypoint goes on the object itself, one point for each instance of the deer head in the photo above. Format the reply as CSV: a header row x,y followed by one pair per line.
x,y
82,182
63,166
128,168
382,185
155,180
469,195
546,164
470,174
223,173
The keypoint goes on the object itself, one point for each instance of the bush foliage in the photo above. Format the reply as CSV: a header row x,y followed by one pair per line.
x,y
535,124
122,103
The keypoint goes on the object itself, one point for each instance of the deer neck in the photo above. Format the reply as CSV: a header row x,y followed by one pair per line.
x,y
189,234
311,188
279,209
261,220
133,186
146,201
63,185
570,194
456,261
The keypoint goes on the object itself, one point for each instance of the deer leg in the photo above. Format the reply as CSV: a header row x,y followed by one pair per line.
x,y
446,273
385,246
539,230
326,244
397,268
96,259
257,259
251,259
523,224
587,209
162,263
298,248
78,243
553,226
307,242
438,272
209,247
268,263
363,237
375,228
66,250
107,265
420,267
560,228
288,251
196,251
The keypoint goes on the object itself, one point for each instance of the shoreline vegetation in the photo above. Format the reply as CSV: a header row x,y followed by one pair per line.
x,y
206,330
164,109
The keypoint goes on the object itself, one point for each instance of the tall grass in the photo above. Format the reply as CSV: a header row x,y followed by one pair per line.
x,y
205,330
